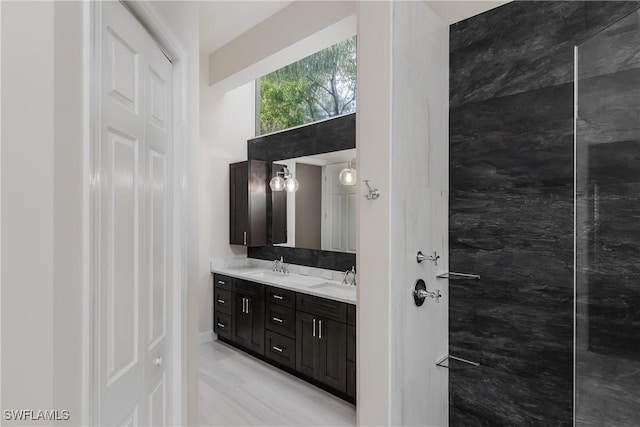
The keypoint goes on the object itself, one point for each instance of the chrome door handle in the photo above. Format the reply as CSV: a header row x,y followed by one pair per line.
x,y
245,237
276,296
314,327
220,282
248,308
319,329
278,349
275,319
244,305
220,301
220,325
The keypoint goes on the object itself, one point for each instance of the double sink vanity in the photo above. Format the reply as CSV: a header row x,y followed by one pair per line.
x,y
304,325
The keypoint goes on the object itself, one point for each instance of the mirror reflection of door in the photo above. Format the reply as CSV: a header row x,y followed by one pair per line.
x,y
338,212
321,214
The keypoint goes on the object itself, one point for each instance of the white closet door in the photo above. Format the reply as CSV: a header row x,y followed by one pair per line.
x,y
135,162
158,152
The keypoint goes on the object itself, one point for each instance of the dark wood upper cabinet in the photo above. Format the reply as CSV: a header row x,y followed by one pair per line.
x,y
248,182
278,211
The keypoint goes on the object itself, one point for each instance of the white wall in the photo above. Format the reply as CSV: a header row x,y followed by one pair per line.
x,y
69,180
42,223
227,120
403,149
419,213
373,144
27,204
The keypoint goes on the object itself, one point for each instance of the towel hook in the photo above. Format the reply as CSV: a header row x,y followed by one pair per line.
x,y
372,193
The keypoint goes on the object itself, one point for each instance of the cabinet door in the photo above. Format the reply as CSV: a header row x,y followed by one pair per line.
x,y
238,203
333,354
307,353
241,322
255,308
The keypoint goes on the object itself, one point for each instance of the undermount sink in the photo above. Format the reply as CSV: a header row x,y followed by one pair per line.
x,y
297,279
266,274
334,287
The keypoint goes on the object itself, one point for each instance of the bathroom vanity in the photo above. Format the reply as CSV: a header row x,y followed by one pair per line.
x,y
304,325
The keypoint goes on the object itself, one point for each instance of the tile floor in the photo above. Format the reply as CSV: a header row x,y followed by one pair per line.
x,y
239,390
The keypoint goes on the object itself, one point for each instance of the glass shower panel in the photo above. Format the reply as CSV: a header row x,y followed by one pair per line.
x,y
608,227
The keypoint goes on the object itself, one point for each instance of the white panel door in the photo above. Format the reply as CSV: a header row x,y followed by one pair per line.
x,y
134,166
158,102
338,212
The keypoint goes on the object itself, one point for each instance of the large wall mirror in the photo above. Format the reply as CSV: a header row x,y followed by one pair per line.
x,y
321,214
316,224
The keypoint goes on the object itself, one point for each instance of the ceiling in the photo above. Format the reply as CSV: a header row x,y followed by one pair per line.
x,y
223,21
452,11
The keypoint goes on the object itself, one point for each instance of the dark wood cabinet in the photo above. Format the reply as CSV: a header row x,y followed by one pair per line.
x,y
247,328
281,320
307,350
278,211
248,183
351,357
332,339
309,336
280,349
321,349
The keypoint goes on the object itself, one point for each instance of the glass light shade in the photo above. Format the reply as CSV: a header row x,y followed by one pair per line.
x,y
347,176
291,184
277,183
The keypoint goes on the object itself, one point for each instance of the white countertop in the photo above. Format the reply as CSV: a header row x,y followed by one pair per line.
x,y
296,282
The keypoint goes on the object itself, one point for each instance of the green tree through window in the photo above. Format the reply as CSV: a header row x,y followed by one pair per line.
x,y
317,87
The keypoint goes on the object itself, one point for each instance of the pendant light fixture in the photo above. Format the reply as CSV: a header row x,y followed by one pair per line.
x,y
284,180
347,175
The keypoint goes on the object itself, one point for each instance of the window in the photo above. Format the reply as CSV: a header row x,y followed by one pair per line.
x,y
317,87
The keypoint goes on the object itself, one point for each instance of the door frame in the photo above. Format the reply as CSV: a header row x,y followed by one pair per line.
x,y
150,19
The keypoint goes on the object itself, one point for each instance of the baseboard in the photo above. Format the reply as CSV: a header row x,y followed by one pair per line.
x,y
206,336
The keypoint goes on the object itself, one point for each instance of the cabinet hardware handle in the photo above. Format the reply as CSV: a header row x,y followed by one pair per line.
x,y
278,349
276,296
314,327
245,237
319,329
220,301
221,282
220,325
275,319
244,301
248,306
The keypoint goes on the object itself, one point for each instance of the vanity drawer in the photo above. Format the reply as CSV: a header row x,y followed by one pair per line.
x,y
222,282
280,349
281,297
222,301
222,325
326,308
249,289
281,320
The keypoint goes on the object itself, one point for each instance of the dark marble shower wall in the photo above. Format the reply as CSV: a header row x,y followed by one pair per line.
x,y
511,209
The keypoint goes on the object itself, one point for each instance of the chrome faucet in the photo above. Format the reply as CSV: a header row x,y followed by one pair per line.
x,y
351,272
280,266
